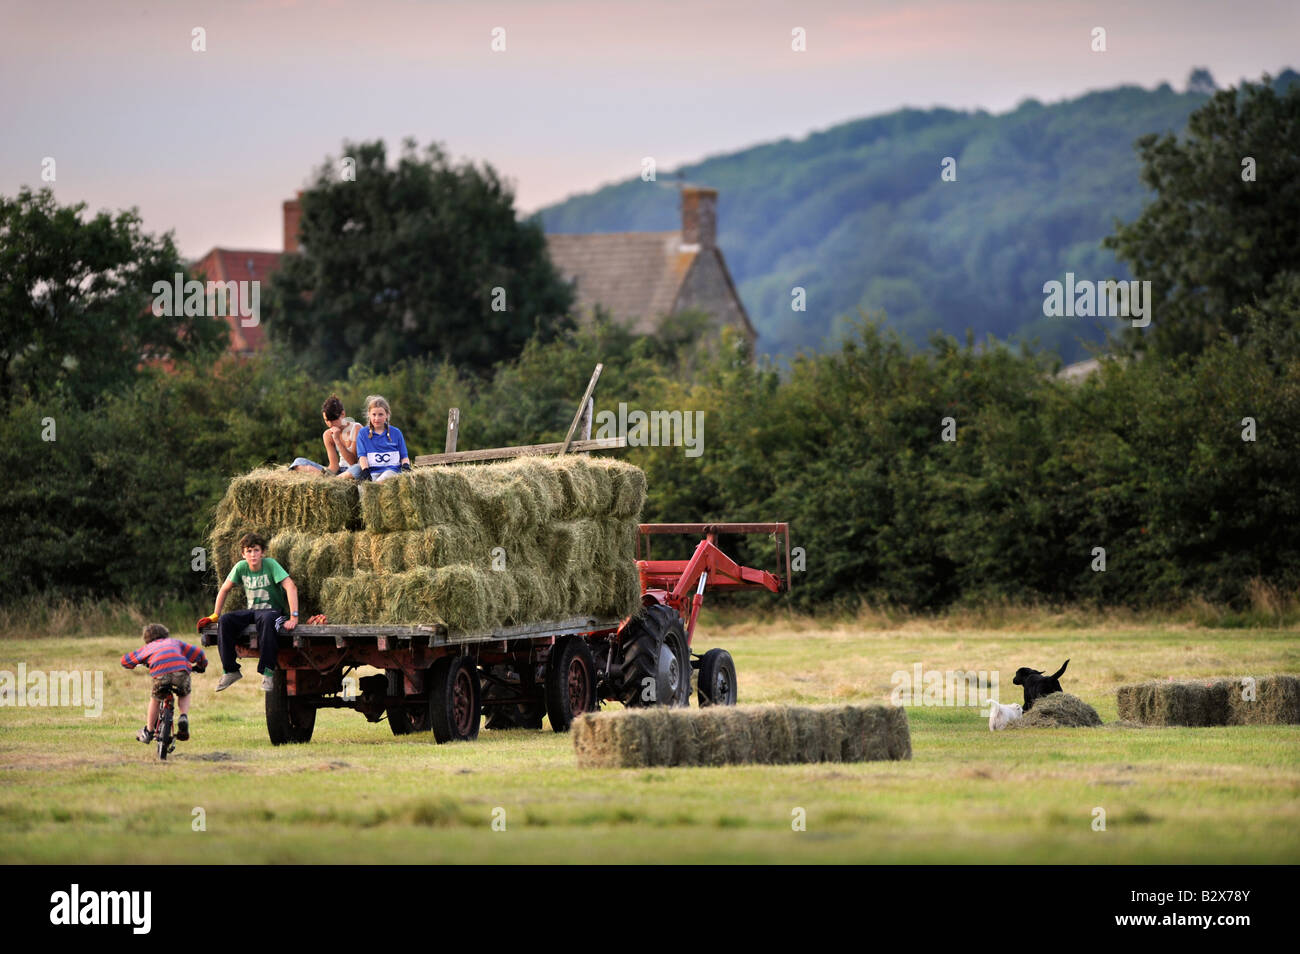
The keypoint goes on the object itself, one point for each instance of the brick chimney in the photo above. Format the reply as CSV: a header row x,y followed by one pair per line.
x,y
699,217
292,222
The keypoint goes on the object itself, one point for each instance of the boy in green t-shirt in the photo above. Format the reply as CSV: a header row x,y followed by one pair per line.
x,y
272,603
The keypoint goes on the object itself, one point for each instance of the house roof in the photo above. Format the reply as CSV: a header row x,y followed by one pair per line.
x,y
239,265
632,274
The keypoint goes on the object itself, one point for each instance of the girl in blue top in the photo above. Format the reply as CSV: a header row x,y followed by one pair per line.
x,y
381,448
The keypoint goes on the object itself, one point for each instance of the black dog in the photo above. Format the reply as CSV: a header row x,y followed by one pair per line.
x,y
1036,684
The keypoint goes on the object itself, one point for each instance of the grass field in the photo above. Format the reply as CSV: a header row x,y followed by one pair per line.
x,y
81,790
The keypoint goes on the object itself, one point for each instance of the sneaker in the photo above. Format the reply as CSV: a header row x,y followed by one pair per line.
x,y
268,682
228,679
144,735
183,729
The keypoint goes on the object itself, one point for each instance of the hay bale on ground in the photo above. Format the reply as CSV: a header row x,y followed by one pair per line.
x,y
1212,702
739,735
1276,702
1055,711
1174,703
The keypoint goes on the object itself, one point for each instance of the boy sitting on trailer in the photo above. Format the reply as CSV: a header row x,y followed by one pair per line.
x,y
169,664
340,439
272,605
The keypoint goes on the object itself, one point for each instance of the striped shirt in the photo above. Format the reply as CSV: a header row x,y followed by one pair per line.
x,y
165,655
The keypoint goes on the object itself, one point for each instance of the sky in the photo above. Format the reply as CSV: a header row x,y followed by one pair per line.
x,y
208,143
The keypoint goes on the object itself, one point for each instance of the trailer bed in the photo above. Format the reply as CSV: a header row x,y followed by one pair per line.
x,y
384,636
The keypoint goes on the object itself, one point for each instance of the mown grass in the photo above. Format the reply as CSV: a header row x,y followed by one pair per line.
x,y
80,790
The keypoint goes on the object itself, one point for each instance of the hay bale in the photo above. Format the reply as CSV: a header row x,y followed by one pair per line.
x,y
1174,703
505,497
1056,711
1276,702
281,499
418,548
739,735
465,598
1212,702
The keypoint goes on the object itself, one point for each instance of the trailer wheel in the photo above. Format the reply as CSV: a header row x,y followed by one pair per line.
x,y
717,683
455,699
656,660
527,715
406,717
570,682
287,720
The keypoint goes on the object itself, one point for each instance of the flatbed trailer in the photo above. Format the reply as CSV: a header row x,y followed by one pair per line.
x,y
441,681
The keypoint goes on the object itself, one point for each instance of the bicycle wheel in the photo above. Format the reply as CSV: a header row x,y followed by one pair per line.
x,y
164,732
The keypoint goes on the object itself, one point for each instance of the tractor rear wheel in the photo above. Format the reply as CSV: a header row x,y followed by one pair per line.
x,y
288,720
717,682
570,682
656,666
455,699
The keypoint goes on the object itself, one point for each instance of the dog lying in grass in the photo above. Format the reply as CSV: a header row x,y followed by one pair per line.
x,y
1001,715
1036,684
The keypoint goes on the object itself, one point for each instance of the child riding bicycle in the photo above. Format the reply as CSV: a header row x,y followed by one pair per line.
x,y
169,664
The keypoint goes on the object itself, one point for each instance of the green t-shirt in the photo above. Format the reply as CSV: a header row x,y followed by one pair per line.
x,y
263,587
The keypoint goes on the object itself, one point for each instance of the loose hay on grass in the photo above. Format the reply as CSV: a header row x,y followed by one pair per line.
x,y
736,735
1056,711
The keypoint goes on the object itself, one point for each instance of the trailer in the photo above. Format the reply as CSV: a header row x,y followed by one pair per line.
x,y
446,683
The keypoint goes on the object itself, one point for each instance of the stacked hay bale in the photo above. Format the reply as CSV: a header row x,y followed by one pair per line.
x,y
475,547
1213,702
735,735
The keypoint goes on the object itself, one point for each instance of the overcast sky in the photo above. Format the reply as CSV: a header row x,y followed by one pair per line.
x,y
210,143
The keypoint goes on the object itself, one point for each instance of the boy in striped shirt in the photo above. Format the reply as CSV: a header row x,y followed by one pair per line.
x,y
169,664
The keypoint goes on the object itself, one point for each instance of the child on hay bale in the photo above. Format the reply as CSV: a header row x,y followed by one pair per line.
x,y
272,605
169,666
340,439
381,448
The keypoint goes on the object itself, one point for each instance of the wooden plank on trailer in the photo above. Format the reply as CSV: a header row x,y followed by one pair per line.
x,y
587,413
526,450
453,428
563,627
582,407
330,630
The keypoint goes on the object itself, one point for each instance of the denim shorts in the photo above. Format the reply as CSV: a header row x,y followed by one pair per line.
x,y
353,471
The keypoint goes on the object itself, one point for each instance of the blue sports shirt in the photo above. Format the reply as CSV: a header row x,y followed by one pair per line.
x,y
382,451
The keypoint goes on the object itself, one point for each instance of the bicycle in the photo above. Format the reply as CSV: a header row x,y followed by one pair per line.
x,y
162,729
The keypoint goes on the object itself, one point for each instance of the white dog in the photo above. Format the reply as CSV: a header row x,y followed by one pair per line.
x,y
1000,715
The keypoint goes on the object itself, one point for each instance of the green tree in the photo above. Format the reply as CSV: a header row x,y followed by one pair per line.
x,y
1223,230
75,319
404,262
